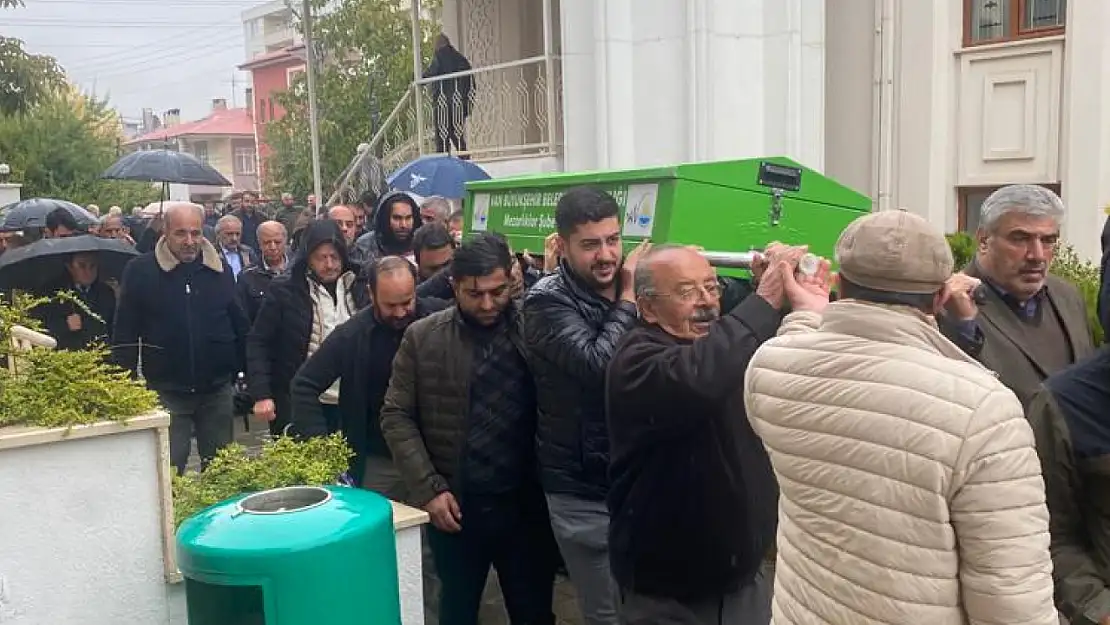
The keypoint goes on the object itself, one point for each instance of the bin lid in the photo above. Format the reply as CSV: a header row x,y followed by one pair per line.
x,y
281,521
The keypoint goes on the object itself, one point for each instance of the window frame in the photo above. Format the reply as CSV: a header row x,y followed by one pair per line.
x,y
962,194
193,148
251,158
1014,30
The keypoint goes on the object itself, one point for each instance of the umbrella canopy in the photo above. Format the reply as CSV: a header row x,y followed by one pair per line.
x,y
168,166
438,174
156,208
41,265
31,213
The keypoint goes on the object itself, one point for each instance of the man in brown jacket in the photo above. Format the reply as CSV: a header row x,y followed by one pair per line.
x,y
1030,324
1071,419
459,418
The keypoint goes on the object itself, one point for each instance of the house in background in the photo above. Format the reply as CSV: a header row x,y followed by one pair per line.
x,y
224,139
275,55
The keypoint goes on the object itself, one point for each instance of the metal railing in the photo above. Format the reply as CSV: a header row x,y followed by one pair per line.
x,y
506,110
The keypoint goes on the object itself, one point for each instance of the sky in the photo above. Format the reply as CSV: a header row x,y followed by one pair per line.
x,y
157,54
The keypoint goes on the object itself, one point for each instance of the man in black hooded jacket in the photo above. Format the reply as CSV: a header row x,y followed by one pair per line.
x,y
395,221
322,290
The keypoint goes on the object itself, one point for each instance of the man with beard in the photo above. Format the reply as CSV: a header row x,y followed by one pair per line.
x,y
344,217
249,219
1030,324
396,219
574,319
321,291
679,434
178,303
459,418
360,355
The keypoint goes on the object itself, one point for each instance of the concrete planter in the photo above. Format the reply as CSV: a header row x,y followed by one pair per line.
x,y
86,528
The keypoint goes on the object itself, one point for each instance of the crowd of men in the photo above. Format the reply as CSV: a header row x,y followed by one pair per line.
x,y
660,430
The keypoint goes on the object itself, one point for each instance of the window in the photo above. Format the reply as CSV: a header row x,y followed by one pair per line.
x,y
971,202
271,109
993,21
262,110
244,161
200,150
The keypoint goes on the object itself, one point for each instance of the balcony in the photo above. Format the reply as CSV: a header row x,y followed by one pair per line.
x,y
509,111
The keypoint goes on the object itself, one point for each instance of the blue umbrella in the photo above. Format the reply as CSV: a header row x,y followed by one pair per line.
x,y
437,174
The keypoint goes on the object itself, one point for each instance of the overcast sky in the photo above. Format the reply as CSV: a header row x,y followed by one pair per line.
x,y
158,54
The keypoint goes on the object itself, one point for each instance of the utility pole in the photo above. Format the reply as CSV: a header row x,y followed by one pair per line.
x,y
313,129
234,104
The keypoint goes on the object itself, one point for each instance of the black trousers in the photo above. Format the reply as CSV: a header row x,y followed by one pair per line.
x,y
450,128
510,532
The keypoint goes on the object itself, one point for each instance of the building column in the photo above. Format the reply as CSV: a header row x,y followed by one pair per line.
x,y
922,151
1085,134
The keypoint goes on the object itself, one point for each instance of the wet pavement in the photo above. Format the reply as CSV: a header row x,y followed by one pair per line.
x,y
493,608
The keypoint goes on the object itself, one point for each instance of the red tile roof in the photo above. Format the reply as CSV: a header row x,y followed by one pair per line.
x,y
221,122
289,54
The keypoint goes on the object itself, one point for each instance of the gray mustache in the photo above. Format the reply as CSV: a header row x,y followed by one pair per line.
x,y
704,315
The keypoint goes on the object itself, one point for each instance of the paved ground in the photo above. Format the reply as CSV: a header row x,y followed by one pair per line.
x,y
493,610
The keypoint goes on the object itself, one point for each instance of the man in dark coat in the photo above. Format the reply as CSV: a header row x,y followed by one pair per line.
x,y
360,355
72,325
1071,420
254,281
459,419
1030,323
395,221
178,302
321,291
679,434
573,320
452,96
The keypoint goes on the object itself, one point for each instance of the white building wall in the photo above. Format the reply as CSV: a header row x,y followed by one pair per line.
x,y
1029,111
650,82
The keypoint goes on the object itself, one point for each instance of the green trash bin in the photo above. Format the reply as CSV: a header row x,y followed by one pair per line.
x,y
303,555
722,206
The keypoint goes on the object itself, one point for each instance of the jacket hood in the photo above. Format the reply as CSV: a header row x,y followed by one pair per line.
x,y
316,234
381,221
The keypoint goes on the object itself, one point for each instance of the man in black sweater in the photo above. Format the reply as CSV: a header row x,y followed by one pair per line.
x,y
360,355
693,498
178,303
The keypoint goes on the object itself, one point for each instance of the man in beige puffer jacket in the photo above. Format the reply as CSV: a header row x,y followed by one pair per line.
x,y
910,488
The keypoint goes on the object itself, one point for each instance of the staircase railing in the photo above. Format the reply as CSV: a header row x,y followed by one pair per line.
x,y
493,112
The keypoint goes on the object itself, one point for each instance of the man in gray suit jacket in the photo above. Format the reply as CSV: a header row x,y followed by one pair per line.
x,y
1028,324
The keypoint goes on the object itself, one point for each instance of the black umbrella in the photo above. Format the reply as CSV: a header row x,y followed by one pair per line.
x,y
41,265
32,213
166,166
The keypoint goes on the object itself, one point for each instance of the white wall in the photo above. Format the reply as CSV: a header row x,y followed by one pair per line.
x,y
80,532
651,82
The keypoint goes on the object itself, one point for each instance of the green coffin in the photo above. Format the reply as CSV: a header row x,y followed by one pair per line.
x,y
720,206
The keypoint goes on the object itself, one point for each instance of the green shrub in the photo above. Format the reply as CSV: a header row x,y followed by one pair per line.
x,y
57,388
1085,276
963,248
1067,265
281,462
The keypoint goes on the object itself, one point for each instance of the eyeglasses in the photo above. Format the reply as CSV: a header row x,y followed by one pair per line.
x,y
694,293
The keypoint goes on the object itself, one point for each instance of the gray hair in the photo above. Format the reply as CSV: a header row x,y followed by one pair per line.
x,y
109,217
225,220
439,204
172,212
643,280
1026,199
271,224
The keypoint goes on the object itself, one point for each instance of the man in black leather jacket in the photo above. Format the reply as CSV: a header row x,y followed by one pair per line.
x,y
573,321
